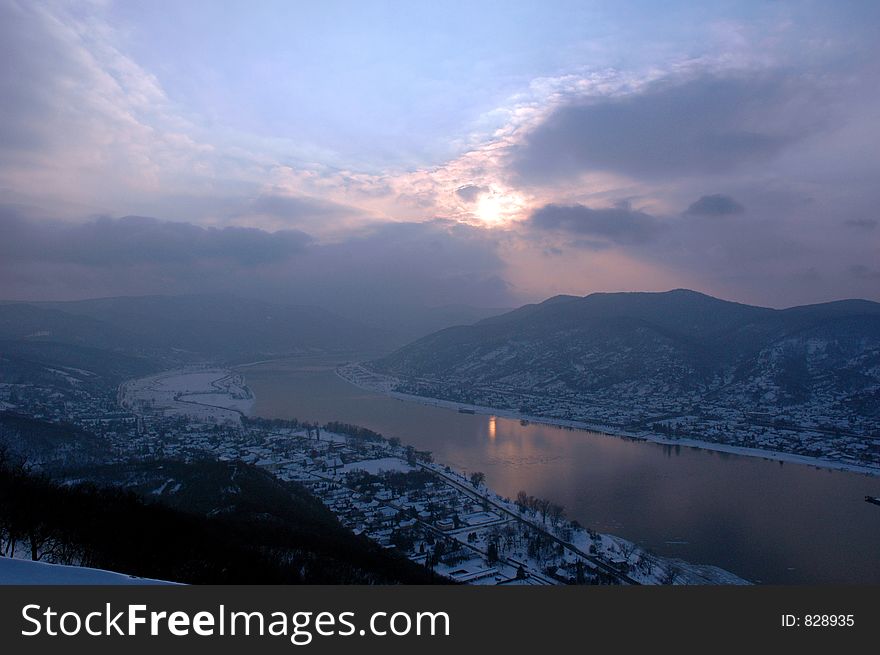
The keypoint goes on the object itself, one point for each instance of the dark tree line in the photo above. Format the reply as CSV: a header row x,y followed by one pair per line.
x,y
271,423
115,529
354,431
313,430
542,506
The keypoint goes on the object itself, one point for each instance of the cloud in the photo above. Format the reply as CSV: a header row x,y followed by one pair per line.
x,y
299,209
714,205
427,263
862,223
620,225
86,129
108,243
707,123
470,192
35,66
862,272
385,265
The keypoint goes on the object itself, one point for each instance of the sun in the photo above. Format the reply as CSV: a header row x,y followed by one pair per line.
x,y
497,207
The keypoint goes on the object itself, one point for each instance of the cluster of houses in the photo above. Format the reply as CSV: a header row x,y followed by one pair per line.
x,y
823,428
387,491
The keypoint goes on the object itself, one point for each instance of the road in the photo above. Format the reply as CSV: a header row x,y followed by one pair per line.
x,y
597,562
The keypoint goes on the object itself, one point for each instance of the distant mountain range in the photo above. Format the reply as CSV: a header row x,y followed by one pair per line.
x,y
92,345
181,328
222,325
679,361
406,323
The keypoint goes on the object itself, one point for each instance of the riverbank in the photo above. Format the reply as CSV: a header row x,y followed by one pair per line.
x,y
363,378
766,522
471,515
208,394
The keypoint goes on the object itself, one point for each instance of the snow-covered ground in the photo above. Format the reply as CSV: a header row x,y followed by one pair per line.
x,y
639,565
375,466
210,395
27,572
448,509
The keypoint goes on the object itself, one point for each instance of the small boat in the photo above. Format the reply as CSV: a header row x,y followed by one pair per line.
x,y
465,410
872,499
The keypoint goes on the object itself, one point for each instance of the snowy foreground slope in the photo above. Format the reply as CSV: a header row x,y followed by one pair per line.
x,y
27,572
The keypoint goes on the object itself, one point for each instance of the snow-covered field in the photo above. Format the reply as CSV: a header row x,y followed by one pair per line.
x,y
27,572
211,395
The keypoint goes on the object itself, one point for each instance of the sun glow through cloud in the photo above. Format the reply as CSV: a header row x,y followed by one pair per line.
x,y
499,207
549,116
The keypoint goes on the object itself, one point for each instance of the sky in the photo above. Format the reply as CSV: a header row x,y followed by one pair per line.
x,y
433,153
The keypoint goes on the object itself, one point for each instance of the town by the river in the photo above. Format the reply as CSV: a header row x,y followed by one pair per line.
x,y
767,521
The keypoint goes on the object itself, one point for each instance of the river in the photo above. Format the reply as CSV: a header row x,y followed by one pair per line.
x,y
767,521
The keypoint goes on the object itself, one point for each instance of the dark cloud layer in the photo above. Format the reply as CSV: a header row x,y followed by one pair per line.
x,y
134,240
87,130
425,264
620,225
707,124
431,263
714,205
862,223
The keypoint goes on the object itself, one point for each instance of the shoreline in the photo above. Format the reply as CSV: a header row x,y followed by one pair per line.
x,y
742,451
693,573
242,407
705,572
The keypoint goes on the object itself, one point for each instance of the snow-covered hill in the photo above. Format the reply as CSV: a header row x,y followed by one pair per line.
x,y
681,364
27,572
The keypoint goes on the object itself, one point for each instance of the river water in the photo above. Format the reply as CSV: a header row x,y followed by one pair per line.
x,y
766,521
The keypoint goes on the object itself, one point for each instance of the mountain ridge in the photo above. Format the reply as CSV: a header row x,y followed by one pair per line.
x,y
681,359
203,325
